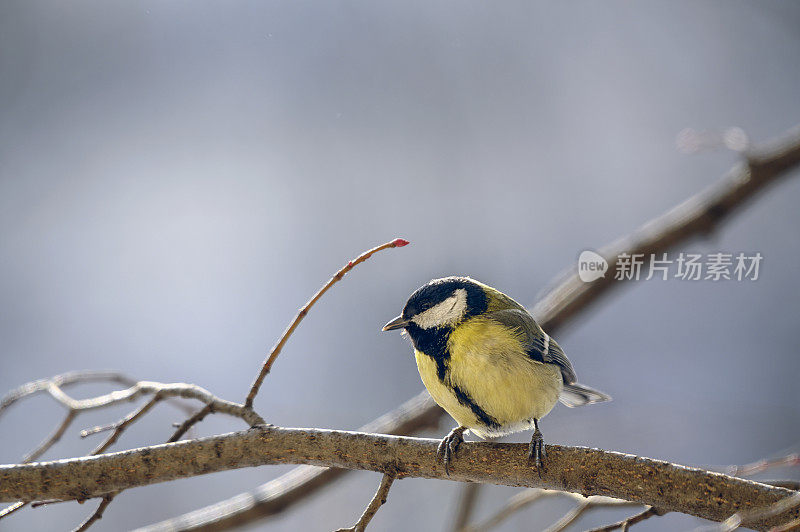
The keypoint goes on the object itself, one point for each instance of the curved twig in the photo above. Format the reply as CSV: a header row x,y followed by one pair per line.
x,y
276,350
625,524
378,500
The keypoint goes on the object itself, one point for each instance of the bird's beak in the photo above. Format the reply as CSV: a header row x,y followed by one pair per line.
x,y
398,323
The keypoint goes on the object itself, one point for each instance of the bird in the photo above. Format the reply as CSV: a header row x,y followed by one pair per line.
x,y
487,363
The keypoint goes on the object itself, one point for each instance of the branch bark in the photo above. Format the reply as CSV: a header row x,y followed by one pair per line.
x,y
580,470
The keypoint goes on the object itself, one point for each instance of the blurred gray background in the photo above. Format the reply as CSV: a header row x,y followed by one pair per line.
x,y
177,178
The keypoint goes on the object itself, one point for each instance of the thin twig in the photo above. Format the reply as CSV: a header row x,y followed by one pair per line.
x,y
176,389
63,380
53,438
465,506
759,466
43,385
159,391
513,505
124,423
10,509
570,517
647,513
98,513
184,427
267,366
378,500
522,500
694,217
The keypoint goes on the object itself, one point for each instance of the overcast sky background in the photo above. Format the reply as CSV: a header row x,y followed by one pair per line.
x,y
177,178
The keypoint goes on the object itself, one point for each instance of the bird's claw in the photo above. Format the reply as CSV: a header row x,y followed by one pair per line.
x,y
536,450
449,445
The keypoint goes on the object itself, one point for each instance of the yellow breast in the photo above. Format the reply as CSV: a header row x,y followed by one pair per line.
x,y
488,363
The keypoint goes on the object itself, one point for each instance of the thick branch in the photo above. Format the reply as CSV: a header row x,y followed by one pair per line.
x,y
586,471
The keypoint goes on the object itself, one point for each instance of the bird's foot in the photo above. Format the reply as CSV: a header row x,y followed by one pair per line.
x,y
449,445
536,450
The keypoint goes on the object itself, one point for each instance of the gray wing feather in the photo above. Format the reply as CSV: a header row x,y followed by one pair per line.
x,y
538,344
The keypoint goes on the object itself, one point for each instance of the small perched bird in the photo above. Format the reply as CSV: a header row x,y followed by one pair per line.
x,y
487,362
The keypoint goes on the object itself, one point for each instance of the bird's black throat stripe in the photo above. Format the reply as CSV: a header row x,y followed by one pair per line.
x,y
433,343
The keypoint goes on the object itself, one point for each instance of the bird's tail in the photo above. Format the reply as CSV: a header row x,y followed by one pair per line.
x,y
576,394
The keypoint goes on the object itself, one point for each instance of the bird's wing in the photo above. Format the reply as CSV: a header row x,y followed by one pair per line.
x,y
538,344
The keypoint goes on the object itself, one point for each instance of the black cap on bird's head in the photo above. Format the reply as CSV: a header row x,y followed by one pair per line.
x,y
441,302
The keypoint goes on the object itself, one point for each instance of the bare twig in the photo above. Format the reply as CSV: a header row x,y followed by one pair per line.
x,y
53,438
267,366
63,380
522,500
696,216
160,392
10,509
623,525
465,506
575,469
122,424
184,427
54,386
44,385
515,504
570,517
789,460
98,513
378,500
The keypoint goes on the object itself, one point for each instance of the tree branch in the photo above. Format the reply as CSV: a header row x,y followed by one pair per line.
x,y
378,500
522,500
624,524
701,213
697,216
276,350
586,471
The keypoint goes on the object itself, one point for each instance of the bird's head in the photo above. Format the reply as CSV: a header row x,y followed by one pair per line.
x,y
440,303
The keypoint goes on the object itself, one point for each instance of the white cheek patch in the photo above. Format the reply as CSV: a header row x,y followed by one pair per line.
x,y
448,311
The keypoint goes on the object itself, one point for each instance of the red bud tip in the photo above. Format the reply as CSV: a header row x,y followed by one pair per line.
x,y
350,264
399,242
